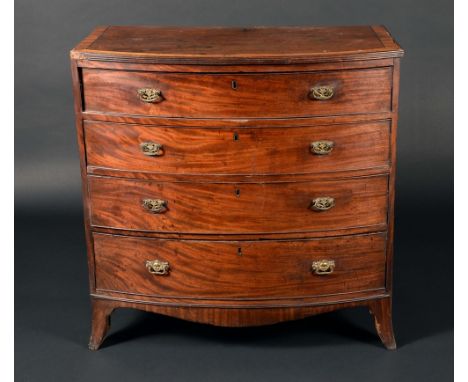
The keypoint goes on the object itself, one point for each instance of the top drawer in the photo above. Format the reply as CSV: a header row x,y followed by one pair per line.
x,y
238,95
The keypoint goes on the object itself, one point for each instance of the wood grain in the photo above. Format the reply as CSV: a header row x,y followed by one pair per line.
x,y
256,96
392,177
237,151
241,303
238,232
246,236
100,322
76,80
212,123
229,208
222,45
239,270
213,68
239,317
381,309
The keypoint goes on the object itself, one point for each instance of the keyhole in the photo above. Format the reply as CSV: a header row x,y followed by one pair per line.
x,y
236,136
239,251
234,84
237,192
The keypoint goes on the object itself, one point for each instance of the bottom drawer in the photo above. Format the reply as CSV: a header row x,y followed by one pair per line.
x,y
239,269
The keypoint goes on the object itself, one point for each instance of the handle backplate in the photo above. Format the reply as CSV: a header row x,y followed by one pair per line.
x,y
323,267
156,206
321,93
150,95
157,267
322,203
322,147
153,149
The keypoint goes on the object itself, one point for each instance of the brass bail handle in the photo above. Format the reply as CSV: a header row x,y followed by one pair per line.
x,y
321,93
321,147
156,206
157,267
323,267
322,203
153,149
150,95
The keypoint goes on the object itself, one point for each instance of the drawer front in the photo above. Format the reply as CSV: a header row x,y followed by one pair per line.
x,y
204,269
294,150
226,208
238,95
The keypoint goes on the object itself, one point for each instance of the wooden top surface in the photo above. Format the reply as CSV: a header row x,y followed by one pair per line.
x,y
219,45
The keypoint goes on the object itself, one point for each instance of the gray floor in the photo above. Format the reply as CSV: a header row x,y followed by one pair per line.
x,y
52,325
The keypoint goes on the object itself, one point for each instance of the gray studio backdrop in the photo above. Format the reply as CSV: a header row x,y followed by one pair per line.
x,y
51,290
47,169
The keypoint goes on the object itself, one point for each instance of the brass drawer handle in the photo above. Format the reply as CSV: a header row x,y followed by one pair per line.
x,y
322,147
157,267
321,93
150,95
156,206
323,267
152,149
322,203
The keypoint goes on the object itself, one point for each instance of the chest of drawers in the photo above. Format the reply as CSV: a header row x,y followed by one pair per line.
x,y
238,176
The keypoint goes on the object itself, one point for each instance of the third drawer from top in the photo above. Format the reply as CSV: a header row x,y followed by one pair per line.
x,y
245,208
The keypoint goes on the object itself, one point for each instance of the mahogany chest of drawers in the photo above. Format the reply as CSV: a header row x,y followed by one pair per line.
x,y
238,176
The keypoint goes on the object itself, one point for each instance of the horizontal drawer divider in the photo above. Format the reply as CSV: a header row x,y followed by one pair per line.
x,y
284,122
222,239
368,229
243,237
379,293
240,299
190,178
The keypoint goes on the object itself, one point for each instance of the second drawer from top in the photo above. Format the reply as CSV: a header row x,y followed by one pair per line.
x,y
237,151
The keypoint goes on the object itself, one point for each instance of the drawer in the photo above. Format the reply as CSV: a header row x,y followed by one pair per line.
x,y
293,150
239,269
238,95
227,208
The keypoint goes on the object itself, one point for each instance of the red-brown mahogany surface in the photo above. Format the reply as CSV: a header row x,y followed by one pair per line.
x,y
238,95
235,121
235,151
221,208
